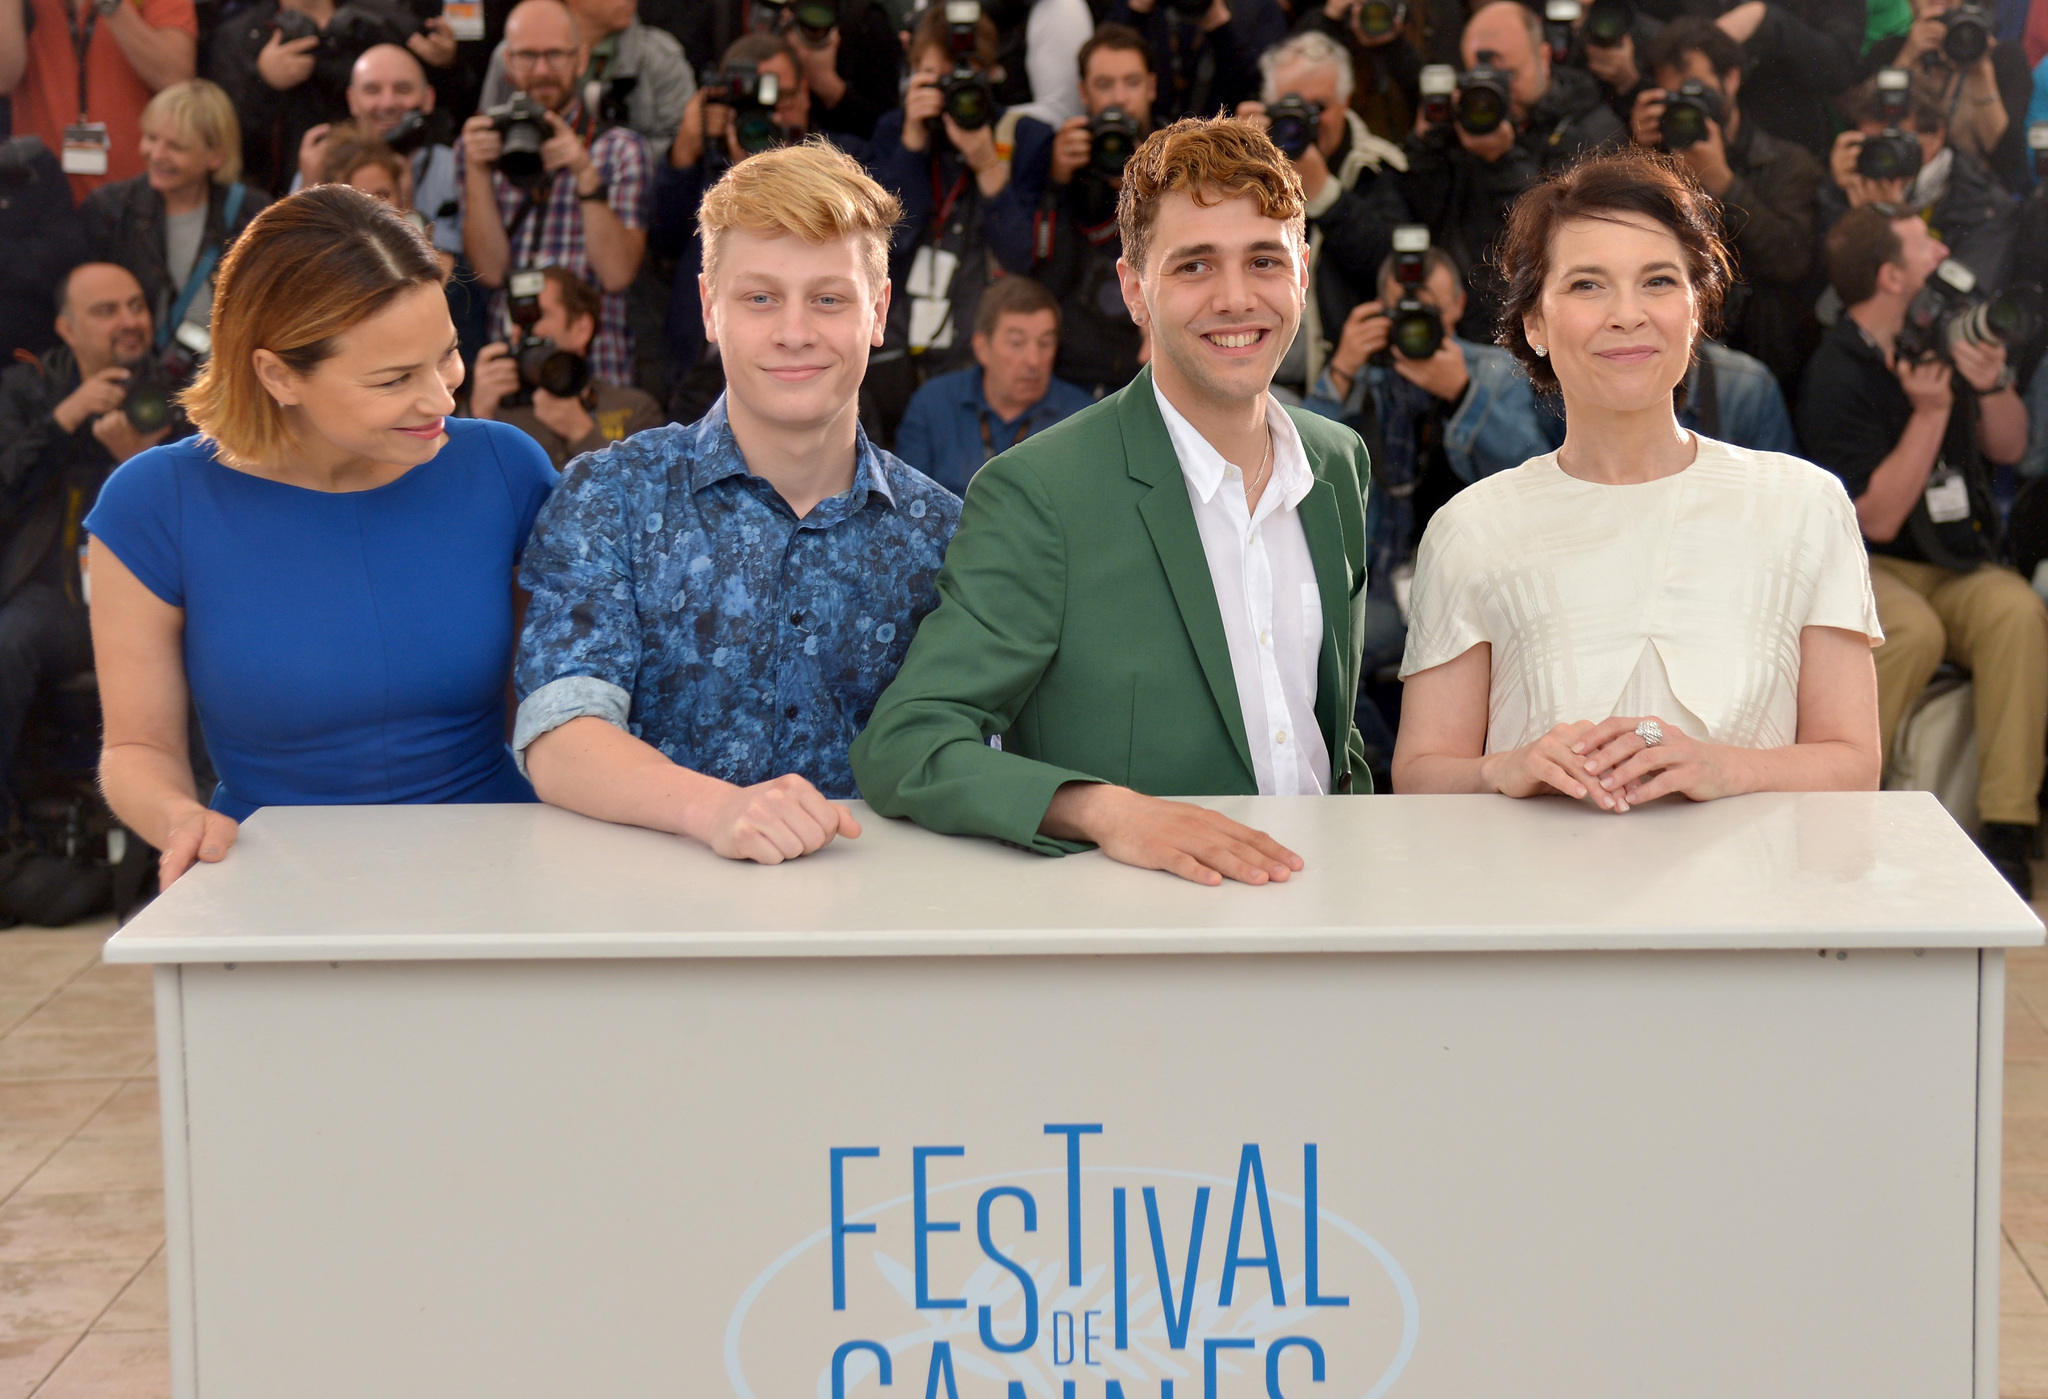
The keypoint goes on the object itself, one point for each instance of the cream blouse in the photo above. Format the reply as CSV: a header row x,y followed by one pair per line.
x,y
1682,597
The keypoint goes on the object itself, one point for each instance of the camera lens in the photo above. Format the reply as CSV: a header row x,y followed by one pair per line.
x,y
1608,22
1967,40
148,408
1481,108
1377,18
970,102
558,372
1418,331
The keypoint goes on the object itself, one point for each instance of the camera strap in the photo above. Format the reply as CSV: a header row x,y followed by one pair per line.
x,y
202,269
81,43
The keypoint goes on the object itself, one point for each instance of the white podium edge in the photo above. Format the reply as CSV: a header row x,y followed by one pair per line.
x,y
1990,1163
178,1235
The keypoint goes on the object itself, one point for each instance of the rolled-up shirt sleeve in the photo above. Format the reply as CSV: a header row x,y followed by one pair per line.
x,y
579,653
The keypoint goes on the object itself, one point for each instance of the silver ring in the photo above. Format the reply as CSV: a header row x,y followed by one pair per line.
x,y
1650,732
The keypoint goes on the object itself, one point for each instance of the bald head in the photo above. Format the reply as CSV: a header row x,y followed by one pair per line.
x,y
544,52
386,84
103,317
1513,36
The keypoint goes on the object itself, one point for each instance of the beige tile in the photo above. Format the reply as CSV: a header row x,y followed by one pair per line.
x,y
15,1008
22,1154
2026,1088
59,1107
27,1362
114,1224
30,1053
2024,1037
57,1299
100,996
145,1306
2022,1357
131,1112
37,963
2018,1293
132,1365
2025,1208
91,1163
2026,1145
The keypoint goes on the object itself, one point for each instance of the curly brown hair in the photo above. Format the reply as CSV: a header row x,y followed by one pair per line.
x,y
1649,184
1213,159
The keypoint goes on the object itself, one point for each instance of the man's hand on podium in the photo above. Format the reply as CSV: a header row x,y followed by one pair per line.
x,y
773,821
1179,837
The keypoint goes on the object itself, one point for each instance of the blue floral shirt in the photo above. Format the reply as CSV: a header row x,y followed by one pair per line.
x,y
677,596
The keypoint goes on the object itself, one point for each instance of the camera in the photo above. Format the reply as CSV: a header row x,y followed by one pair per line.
x,y
523,123
1418,329
1483,101
2037,142
752,95
969,97
1968,36
1439,83
153,386
1560,21
1895,153
1293,123
18,160
541,364
417,129
813,21
1608,22
1376,19
1688,110
350,30
1112,137
1950,309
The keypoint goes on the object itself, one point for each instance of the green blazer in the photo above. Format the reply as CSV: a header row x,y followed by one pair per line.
x,y
1078,621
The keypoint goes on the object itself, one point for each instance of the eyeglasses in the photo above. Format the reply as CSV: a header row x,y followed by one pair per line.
x,y
535,58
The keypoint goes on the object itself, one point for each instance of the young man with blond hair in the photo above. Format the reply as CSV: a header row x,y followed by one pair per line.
x,y
717,607
1164,594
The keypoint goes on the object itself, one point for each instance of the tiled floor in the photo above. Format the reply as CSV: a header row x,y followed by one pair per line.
x,y
81,1175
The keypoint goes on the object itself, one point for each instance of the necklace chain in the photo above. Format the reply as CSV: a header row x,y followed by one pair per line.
x,y
1265,464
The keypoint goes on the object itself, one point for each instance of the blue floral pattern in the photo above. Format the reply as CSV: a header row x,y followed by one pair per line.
x,y
678,595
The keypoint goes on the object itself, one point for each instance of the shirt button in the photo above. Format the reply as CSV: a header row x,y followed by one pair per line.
x,y
796,619
790,713
1265,638
1280,736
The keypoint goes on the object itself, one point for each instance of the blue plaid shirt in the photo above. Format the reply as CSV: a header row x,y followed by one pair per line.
x,y
676,595
552,234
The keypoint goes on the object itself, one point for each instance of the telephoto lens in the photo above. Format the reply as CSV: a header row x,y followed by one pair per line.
x,y
1377,18
148,405
1112,137
1894,154
1686,114
1608,22
1483,98
557,371
1292,124
970,98
1418,328
523,123
1968,36
815,21
2006,317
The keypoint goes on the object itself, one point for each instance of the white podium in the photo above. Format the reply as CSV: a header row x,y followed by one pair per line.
x,y
1496,1099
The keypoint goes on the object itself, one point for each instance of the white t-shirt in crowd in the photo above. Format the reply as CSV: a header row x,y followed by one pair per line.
x,y
1682,597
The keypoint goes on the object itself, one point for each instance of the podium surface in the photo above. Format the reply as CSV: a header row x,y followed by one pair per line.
x,y
1495,1097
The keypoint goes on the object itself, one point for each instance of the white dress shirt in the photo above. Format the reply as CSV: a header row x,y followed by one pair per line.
x,y
1266,590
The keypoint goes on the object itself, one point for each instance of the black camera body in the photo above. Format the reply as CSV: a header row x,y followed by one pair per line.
x,y
418,129
1894,154
1967,34
752,95
1950,309
523,123
1608,22
350,30
1112,137
542,364
1687,111
1483,98
969,98
1376,19
1418,328
1293,124
151,402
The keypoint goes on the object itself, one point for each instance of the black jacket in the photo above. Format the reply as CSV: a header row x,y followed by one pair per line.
x,y
1800,56
1770,211
49,478
124,224
39,230
1465,200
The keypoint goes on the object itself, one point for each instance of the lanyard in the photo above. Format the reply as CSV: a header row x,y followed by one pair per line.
x,y
944,202
988,445
81,43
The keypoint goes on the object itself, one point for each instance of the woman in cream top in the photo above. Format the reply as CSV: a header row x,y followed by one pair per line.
x,y
1645,611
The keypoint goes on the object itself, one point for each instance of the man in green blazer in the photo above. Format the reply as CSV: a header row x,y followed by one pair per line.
x,y
1164,594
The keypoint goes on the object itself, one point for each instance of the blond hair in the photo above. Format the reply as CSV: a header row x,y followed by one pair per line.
x,y
814,190
304,271
1213,159
200,111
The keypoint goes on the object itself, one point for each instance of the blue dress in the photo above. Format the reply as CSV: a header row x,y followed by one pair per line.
x,y
341,649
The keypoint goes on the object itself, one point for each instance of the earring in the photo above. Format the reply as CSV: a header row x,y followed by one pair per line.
x,y
1539,349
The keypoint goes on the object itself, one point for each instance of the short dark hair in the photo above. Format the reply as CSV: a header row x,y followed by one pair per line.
x,y
1859,245
1693,34
753,50
1632,180
1012,296
934,32
1434,261
1118,37
579,298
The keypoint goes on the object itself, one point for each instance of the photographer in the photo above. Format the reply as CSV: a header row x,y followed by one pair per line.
x,y
88,69
1964,204
1073,228
965,220
171,225
853,69
1386,65
647,63
565,425
389,95
1800,55
1913,436
62,431
1348,177
39,228
287,63
1460,182
1768,188
1205,57
584,208
1986,96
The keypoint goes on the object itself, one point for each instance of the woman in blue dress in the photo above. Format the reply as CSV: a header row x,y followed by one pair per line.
x,y
326,570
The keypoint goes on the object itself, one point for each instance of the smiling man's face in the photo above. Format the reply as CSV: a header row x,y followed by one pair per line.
x,y
1221,290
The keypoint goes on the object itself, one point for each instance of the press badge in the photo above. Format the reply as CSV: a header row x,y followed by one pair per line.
x,y
1948,499
465,19
85,148
931,309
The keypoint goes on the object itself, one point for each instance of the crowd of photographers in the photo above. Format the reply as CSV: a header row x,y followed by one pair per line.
x,y
1879,166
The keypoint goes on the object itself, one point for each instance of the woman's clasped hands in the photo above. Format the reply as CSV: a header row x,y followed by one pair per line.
x,y
1614,765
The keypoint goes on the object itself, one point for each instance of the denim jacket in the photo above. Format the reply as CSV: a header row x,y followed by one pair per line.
x,y
1749,406
1496,426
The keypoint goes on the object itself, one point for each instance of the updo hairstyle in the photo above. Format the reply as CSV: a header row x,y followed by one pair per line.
x,y
1651,184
